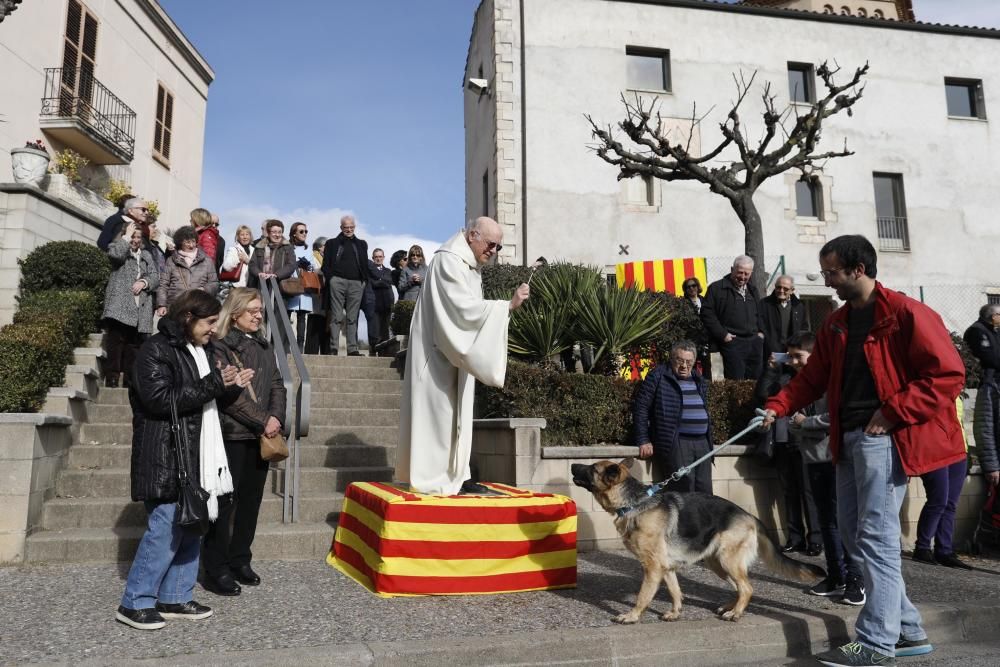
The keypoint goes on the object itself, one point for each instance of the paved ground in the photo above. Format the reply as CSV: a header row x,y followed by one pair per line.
x,y
308,613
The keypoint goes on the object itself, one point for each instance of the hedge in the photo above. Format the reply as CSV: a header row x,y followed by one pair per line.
x,y
586,409
66,265
402,315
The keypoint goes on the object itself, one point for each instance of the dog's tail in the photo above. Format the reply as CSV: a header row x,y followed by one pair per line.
x,y
779,563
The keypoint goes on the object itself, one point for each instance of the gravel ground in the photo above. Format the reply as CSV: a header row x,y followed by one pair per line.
x,y
67,612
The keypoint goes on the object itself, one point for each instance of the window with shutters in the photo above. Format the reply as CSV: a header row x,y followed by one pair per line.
x,y
163,130
79,60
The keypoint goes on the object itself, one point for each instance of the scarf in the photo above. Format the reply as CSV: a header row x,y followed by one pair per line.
x,y
213,464
188,255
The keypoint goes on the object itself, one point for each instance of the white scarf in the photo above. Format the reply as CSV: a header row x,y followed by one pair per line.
x,y
214,466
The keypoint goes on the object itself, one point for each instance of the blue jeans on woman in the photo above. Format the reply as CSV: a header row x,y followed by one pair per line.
x,y
937,518
165,567
871,485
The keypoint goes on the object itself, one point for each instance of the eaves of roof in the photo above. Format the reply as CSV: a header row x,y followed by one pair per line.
x,y
806,15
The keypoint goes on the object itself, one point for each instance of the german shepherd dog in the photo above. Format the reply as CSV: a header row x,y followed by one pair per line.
x,y
668,531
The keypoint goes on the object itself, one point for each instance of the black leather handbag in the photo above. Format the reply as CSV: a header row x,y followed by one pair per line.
x,y
192,500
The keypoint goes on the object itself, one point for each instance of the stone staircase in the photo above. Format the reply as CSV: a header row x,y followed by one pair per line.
x,y
355,425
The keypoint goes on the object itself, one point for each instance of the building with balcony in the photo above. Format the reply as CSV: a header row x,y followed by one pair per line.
x,y
920,185
120,84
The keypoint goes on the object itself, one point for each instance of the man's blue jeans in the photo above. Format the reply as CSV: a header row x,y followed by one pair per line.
x,y
871,485
166,565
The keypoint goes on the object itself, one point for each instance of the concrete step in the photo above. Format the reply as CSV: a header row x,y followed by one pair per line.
x,y
110,414
324,385
329,399
116,482
111,396
318,455
351,417
106,434
88,356
328,434
120,512
316,361
354,373
274,541
94,340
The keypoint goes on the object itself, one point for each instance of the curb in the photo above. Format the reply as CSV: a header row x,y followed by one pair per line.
x,y
754,638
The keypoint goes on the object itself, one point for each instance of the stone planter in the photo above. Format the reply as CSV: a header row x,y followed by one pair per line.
x,y
82,198
29,165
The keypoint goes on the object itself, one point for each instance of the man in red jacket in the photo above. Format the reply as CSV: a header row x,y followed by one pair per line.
x,y
891,374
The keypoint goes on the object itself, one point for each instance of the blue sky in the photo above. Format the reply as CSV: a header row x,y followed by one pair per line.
x,y
326,106
321,107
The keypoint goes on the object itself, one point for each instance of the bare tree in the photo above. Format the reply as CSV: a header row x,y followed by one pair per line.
x,y
653,153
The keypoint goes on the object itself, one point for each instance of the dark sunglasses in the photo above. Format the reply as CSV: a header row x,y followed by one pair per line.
x,y
301,231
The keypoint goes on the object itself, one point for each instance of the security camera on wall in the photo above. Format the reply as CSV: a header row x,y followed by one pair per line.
x,y
478,86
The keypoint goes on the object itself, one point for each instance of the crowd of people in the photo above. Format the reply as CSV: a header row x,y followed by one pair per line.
x,y
151,269
852,411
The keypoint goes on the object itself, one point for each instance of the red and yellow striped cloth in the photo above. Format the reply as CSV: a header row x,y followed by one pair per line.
x,y
394,542
662,275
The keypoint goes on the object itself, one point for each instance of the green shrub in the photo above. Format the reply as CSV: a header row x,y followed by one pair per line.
x,y
731,406
585,409
33,357
973,369
76,311
68,265
500,280
580,409
682,323
402,314
614,320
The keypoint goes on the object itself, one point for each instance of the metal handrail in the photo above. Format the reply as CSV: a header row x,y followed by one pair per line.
x,y
297,411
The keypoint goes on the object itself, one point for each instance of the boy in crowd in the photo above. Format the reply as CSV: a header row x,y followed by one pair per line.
x,y
811,427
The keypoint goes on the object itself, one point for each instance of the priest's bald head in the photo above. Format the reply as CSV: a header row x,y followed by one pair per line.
x,y
485,238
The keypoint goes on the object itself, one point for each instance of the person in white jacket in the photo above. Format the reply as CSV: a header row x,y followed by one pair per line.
x,y
237,257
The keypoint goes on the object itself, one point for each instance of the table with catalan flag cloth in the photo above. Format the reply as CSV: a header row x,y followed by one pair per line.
x,y
395,542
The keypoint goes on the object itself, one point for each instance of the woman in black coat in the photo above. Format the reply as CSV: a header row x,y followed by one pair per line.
x,y
245,417
173,366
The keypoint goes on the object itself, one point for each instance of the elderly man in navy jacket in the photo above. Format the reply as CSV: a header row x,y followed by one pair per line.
x,y
670,418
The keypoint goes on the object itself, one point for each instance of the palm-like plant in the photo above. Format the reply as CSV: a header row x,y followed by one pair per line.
x,y
544,325
614,319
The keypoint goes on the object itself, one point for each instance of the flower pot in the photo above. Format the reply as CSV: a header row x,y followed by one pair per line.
x,y
29,165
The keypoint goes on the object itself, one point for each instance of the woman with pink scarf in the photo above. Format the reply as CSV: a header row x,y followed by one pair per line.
x,y
188,268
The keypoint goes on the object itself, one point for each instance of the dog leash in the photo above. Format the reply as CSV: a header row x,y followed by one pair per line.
x,y
653,489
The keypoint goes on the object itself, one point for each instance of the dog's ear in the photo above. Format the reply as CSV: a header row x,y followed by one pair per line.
x,y
627,463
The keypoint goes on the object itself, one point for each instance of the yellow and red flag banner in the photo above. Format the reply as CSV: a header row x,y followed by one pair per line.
x,y
394,542
662,275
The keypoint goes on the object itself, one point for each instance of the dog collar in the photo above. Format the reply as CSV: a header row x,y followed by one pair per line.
x,y
651,491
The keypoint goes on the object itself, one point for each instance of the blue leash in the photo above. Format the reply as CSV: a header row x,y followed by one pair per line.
x,y
653,489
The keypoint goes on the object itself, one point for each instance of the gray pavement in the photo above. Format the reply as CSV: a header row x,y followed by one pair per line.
x,y
308,613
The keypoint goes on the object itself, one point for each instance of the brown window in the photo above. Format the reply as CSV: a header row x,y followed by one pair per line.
x,y
79,58
163,130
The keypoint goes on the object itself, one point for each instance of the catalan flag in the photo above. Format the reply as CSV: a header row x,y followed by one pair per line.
x,y
662,275
397,543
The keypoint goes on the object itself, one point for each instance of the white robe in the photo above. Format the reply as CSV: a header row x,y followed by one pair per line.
x,y
456,338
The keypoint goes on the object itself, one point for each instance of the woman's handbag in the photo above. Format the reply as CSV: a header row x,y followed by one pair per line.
x,y
291,287
273,449
232,275
192,500
310,281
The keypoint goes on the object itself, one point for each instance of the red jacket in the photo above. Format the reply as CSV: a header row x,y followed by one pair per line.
x,y
917,371
210,241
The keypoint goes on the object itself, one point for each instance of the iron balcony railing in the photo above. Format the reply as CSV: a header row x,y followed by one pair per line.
x,y
73,92
893,234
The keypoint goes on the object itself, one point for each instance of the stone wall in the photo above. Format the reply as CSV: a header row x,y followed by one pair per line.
x,y
30,217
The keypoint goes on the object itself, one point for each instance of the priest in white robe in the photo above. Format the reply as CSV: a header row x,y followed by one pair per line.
x,y
456,338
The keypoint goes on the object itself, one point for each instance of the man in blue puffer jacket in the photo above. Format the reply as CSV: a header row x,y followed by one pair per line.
x,y
670,418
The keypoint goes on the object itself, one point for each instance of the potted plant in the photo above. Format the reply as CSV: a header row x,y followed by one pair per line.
x,y
30,163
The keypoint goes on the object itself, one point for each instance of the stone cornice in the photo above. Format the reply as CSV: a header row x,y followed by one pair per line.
x,y
177,39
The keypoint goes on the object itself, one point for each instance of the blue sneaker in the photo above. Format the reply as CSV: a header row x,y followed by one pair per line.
x,y
909,647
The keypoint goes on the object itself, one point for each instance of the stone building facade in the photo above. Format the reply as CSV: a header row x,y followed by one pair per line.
x,y
919,185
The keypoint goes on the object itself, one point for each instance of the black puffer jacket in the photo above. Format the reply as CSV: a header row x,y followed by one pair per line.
x,y
724,311
242,418
163,366
986,422
984,342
